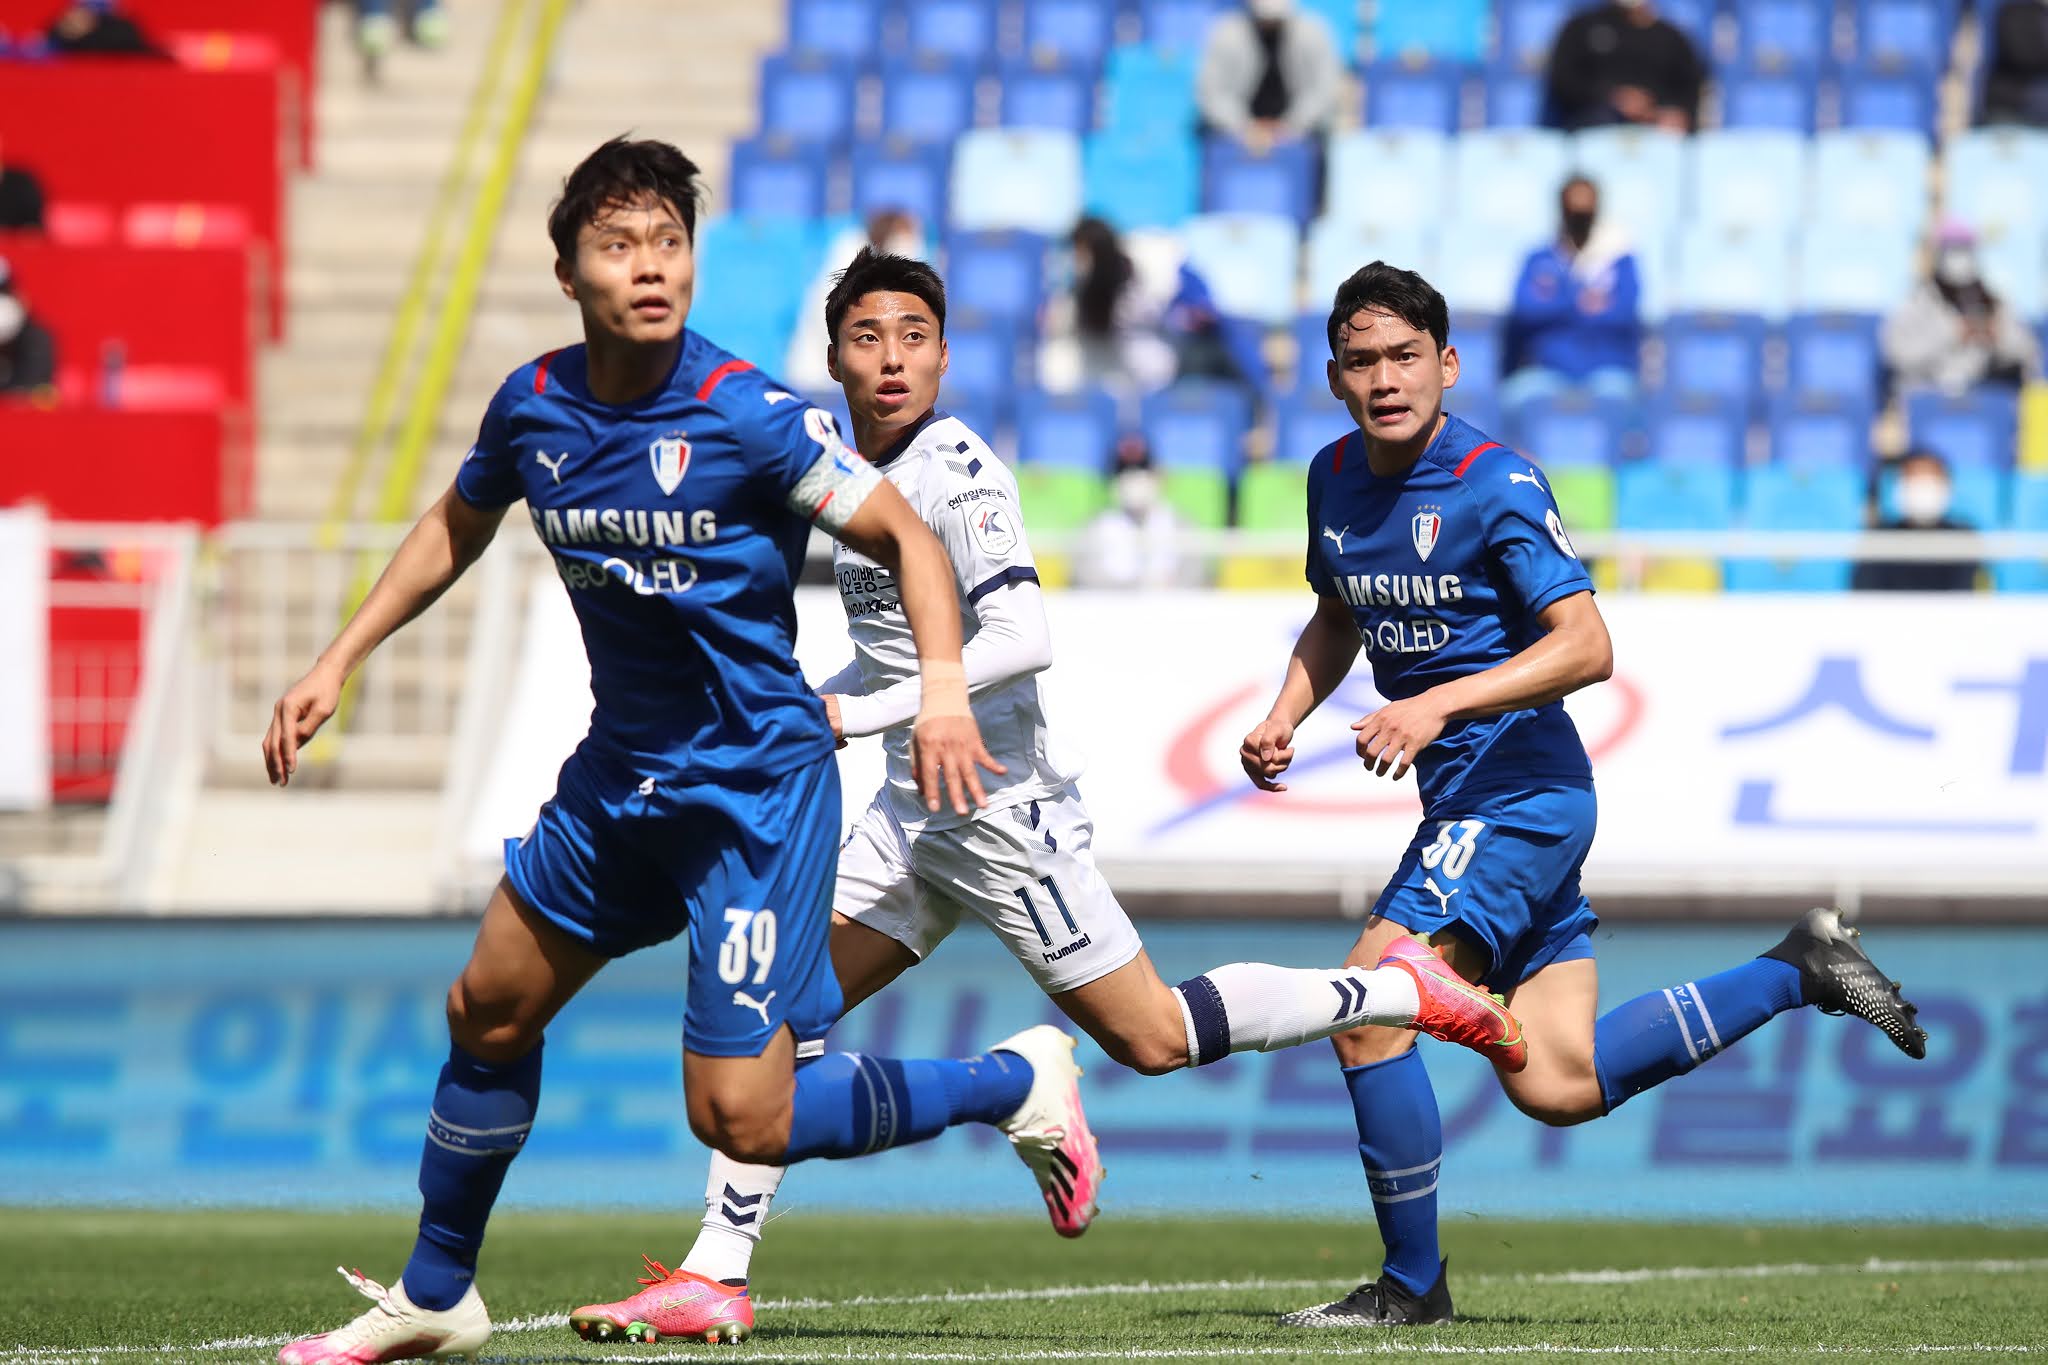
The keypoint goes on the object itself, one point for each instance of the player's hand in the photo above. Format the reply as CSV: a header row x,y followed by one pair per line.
x,y
831,701
296,718
1391,737
1266,752
945,751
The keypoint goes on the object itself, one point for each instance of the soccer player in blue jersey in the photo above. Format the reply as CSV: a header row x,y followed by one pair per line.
x,y
676,489
1441,554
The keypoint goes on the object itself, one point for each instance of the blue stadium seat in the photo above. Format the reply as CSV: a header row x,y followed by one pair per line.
x,y
1398,95
1509,178
1336,249
1796,499
1249,261
806,99
1641,175
1571,429
1820,431
1036,96
1066,430
1149,90
1026,178
1002,274
1481,345
848,29
1306,426
2015,263
1142,180
1342,18
1767,102
751,275
1904,103
1069,31
1311,352
1442,30
1650,495
1512,99
1528,30
900,175
1844,270
1998,179
927,101
1726,270
1870,178
1749,176
1783,37
985,411
1716,357
1477,264
962,30
1975,428
1696,431
1976,496
1903,36
1833,357
1197,425
1180,25
2029,513
1694,18
777,178
1281,181
982,352
1416,159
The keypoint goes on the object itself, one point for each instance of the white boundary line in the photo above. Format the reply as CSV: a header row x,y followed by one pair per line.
x,y
85,1355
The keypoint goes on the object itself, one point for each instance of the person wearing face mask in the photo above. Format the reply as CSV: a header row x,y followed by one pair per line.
x,y
1573,322
1952,333
1621,63
1269,73
1134,543
28,354
1922,496
891,231
2016,90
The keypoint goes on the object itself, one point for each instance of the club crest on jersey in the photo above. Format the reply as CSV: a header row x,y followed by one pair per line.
x,y
670,456
1427,525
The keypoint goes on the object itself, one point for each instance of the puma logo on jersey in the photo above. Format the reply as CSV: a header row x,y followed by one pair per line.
x,y
1337,536
553,466
1530,477
774,396
1443,896
742,998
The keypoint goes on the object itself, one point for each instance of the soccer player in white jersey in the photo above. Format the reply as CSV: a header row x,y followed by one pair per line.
x,y
1022,864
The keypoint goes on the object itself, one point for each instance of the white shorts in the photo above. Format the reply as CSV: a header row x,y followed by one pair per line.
x,y
1027,871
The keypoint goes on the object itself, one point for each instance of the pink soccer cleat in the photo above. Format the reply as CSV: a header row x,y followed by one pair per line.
x,y
675,1303
395,1328
1050,1131
1455,1010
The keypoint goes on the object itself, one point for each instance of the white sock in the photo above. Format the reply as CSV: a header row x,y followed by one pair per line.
x,y
736,1200
1250,1005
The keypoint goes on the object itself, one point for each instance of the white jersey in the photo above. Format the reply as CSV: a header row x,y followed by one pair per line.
x,y
969,499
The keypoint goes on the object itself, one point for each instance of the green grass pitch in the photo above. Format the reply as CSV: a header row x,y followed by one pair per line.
x,y
226,1288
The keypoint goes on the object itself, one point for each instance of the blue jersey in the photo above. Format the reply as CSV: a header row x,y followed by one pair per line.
x,y
678,527
1445,568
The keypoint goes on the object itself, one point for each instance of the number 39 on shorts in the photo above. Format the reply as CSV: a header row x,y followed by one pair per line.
x,y
1456,842
749,944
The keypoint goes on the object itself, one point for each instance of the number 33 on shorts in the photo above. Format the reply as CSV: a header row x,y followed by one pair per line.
x,y
1451,854
748,946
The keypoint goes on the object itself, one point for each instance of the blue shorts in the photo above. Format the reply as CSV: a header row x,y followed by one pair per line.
x,y
1501,870
621,863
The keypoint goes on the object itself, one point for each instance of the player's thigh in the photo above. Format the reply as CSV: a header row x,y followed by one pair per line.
x,y
521,971
865,960
883,919
1133,1015
1556,1008
741,1105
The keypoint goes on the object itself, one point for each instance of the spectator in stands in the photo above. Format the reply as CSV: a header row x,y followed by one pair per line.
x,y
378,29
1924,493
28,354
21,198
2016,90
1952,333
894,231
1573,322
1620,63
97,28
1269,74
1135,542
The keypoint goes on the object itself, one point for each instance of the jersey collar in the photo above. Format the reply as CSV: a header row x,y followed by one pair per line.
x,y
888,453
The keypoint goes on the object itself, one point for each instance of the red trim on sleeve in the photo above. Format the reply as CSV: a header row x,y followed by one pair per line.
x,y
717,376
1474,454
540,371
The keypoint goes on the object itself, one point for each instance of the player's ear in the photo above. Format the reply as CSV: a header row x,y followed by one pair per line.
x,y
1450,367
1330,370
832,362
565,277
945,358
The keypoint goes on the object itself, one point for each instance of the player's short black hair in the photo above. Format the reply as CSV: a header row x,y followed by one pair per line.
x,y
871,272
623,171
1389,289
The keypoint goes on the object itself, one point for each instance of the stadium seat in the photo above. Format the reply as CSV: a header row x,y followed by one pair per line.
x,y
846,29
1870,178
1304,427
1998,179
1696,431
777,178
1398,95
1249,261
1149,90
952,30
1141,180
1901,103
1311,354
1057,97
1272,495
1443,30
1818,431
1067,430
1903,36
1342,18
1976,496
1510,178
1695,19
982,352
1784,102
1571,429
2015,263
1026,178
1657,496
1783,37
1715,356
1179,25
1511,99
927,101
1280,182
1843,270
1584,496
1481,344
806,99
1748,177
1201,497
1834,357
1336,249
1798,499
1729,270
1477,264
1002,274
900,175
1060,500
751,274
2029,513
1197,425
1641,175
1975,428
984,410
1528,30
1076,32
1362,160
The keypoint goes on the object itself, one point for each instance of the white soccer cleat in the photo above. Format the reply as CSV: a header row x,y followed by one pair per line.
x,y
395,1328
1050,1131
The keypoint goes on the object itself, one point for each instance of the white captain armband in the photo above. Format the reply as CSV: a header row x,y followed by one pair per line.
x,y
837,483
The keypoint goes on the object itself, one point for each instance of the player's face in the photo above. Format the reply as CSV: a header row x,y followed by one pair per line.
x,y
633,273
889,357
1391,376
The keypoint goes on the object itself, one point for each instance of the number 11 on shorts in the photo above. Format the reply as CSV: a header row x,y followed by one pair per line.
x,y
1059,903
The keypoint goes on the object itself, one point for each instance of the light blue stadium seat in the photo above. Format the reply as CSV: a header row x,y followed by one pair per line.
x,y
1998,178
1696,432
1149,90
927,101
1901,103
1001,274
1342,18
1571,428
1305,426
1336,249
1821,431
1843,270
1641,175
1510,177
1442,30
1142,180
1365,160
1768,102
1798,499
1780,37
1655,265
1399,95
1910,36
951,29
1477,264
849,29
900,175
1512,99
1027,178
751,276
1481,342
1870,178
1717,357
1066,431
1197,425
1249,261
1650,495
806,99
777,178
2029,513
1975,428
1281,181
2015,268
1748,177
1069,31
1038,96
1727,270
1179,25
1528,30
1833,356
1977,496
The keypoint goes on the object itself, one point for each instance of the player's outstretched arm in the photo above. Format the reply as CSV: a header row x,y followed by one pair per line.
x,y
442,543
1323,654
945,743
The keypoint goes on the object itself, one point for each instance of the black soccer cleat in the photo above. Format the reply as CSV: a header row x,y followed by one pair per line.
x,y
1838,977
1384,1302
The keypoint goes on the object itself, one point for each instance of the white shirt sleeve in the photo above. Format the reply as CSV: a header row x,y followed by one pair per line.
x,y
1010,642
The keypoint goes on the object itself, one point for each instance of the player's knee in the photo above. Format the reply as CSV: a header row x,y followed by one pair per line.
x,y
496,1030
1149,1054
1364,1046
740,1126
1558,1102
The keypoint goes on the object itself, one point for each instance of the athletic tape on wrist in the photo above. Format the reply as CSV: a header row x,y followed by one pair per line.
x,y
944,689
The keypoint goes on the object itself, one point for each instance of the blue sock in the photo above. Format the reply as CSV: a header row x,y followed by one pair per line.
x,y
849,1104
1401,1142
479,1121
1667,1033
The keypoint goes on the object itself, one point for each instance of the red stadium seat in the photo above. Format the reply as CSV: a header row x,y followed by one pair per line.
x,y
127,464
